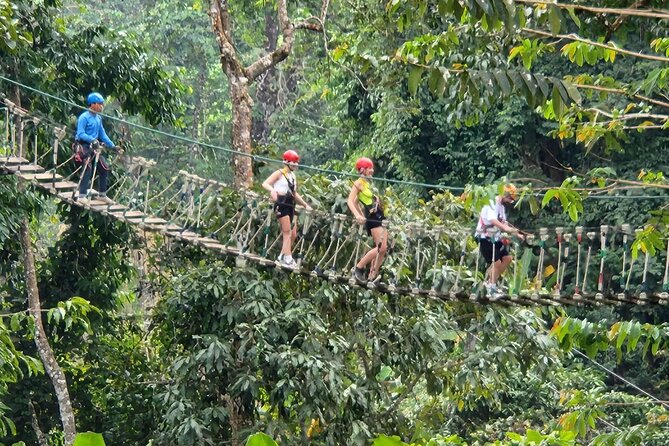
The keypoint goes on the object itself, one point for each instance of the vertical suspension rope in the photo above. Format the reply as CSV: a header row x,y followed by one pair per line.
x,y
19,133
514,290
268,224
203,191
665,281
358,242
146,193
567,240
436,235
627,230
492,233
7,138
417,277
463,247
579,240
559,231
543,236
36,122
12,127
302,234
602,254
59,133
591,238
338,235
476,269
644,280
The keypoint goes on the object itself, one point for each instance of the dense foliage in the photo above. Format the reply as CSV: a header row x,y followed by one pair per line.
x,y
164,344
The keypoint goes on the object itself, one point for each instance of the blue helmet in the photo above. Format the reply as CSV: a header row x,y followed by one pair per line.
x,y
95,98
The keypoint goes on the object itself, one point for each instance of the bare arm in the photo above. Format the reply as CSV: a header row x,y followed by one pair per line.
x,y
352,203
300,201
268,184
505,227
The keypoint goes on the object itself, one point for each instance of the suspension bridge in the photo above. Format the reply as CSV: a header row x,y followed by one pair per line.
x,y
557,266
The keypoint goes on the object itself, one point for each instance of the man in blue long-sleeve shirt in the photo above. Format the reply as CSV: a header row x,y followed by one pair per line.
x,y
89,132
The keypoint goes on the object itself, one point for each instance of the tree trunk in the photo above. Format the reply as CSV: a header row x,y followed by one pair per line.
x,y
51,366
240,77
242,121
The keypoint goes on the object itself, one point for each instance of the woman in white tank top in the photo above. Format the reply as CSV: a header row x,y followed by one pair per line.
x,y
282,187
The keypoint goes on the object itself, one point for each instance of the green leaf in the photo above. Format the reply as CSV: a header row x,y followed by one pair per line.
x,y
558,105
543,85
548,197
622,334
486,7
260,439
414,78
573,92
635,334
534,436
89,439
555,17
384,373
384,440
502,81
15,322
573,17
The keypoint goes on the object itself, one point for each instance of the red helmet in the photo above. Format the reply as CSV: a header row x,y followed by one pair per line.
x,y
363,163
291,156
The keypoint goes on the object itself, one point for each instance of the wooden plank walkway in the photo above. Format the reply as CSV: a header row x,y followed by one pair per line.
x,y
65,190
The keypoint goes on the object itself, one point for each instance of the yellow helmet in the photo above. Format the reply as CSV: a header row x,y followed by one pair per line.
x,y
511,190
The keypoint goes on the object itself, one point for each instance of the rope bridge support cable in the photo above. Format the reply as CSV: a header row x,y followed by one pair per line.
x,y
419,242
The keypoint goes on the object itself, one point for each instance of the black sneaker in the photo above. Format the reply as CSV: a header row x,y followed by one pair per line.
x,y
359,274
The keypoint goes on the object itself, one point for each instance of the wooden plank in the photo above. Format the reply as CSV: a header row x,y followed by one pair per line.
x,y
133,214
94,202
213,245
189,235
12,160
41,176
26,168
62,185
154,221
65,195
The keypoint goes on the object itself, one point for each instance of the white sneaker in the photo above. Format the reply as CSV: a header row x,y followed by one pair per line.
x,y
492,292
287,261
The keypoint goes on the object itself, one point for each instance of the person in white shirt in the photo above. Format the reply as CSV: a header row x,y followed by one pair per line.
x,y
282,187
494,216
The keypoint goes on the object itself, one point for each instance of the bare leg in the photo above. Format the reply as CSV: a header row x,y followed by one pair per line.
x,y
367,258
380,236
499,267
286,233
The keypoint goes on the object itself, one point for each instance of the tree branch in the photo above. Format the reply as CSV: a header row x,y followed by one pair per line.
x,y
615,26
269,60
618,11
627,116
623,92
577,38
220,22
288,33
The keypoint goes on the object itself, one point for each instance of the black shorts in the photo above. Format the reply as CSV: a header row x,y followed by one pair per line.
x,y
285,206
485,246
374,220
